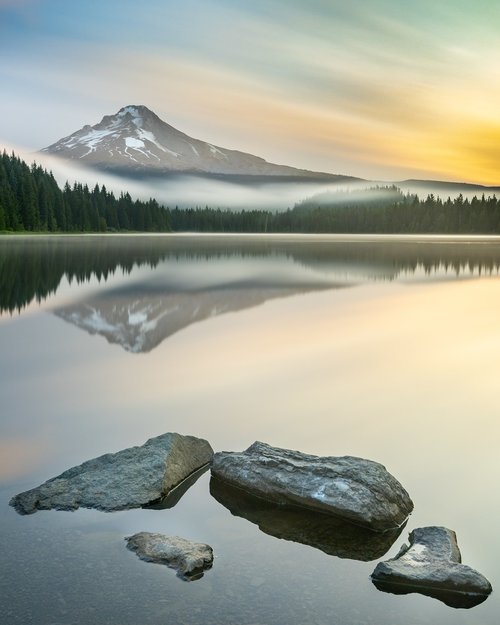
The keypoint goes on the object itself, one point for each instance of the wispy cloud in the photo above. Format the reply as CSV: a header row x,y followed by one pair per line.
x,y
376,89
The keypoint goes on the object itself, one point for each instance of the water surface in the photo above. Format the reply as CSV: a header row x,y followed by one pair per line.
x,y
380,347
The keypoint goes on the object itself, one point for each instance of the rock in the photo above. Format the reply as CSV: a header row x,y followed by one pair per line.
x,y
360,491
326,532
131,478
431,565
189,558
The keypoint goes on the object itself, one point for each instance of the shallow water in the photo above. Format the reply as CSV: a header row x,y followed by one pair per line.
x,y
380,347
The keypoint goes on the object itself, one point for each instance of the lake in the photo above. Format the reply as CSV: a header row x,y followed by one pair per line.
x,y
381,347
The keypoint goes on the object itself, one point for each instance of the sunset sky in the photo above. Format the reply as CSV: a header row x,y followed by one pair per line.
x,y
386,89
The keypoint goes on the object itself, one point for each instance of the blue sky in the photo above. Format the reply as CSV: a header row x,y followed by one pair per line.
x,y
380,88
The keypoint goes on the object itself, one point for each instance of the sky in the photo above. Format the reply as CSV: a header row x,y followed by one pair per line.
x,y
380,89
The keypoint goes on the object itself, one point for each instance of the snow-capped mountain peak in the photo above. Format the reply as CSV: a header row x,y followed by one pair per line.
x,y
136,140
128,135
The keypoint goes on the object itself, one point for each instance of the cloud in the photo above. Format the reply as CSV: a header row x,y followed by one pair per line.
x,y
373,89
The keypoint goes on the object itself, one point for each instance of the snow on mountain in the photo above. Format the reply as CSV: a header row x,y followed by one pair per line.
x,y
137,140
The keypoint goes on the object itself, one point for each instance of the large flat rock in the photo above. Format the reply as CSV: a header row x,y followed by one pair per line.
x,y
190,559
432,565
354,489
131,478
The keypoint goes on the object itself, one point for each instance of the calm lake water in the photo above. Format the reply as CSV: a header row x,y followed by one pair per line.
x,y
386,348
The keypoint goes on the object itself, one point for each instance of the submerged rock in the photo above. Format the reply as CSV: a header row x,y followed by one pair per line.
x,y
189,558
131,478
326,532
360,491
431,565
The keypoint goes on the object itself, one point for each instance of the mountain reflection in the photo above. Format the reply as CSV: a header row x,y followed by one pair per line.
x,y
139,319
31,268
331,535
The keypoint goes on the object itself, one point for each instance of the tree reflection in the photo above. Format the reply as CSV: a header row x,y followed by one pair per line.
x,y
31,268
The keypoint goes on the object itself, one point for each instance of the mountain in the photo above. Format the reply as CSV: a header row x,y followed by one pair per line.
x,y
135,141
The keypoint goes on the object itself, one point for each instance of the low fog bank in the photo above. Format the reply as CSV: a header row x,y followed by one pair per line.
x,y
186,191
70,171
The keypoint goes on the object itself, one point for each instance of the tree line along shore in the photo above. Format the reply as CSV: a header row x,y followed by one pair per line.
x,y
32,201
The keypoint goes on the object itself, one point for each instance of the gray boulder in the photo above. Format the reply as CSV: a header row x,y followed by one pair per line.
x,y
189,558
131,478
431,565
356,490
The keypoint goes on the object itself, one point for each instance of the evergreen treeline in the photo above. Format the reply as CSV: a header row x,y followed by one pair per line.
x,y
386,210
218,220
31,201
382,210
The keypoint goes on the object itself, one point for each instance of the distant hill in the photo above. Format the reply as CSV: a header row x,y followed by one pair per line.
x,y
444,188
389,210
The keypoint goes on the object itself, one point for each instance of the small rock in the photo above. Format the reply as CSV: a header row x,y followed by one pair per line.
x,y
431,565
131,478
354,489
189,558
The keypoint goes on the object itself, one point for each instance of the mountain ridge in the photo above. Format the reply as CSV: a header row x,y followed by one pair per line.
x,y
136,141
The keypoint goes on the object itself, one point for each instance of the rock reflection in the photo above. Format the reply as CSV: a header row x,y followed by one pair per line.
x,y
450,598
176,494
331,535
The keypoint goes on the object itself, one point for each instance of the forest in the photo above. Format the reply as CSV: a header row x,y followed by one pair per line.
x,y
32,201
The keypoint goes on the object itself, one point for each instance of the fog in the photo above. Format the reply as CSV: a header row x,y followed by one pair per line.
x,y
445,189
191,191
365,192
